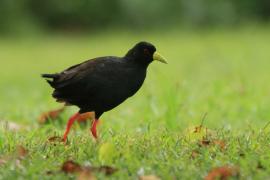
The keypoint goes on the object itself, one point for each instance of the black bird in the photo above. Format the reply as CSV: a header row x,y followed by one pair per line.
x,y
102,83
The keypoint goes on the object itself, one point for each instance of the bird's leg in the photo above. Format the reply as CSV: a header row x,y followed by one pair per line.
x,y
94,128
71,120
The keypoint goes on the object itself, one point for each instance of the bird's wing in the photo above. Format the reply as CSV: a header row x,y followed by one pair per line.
x,y
77,72
85,79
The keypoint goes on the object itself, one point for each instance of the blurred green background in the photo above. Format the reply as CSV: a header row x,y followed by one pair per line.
x,y
204,40
90,15
218,54
208,43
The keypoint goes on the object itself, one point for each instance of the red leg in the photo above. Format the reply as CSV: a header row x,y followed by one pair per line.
x,y
94,128
71,120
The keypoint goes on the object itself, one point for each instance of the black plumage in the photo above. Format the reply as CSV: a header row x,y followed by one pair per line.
x,y
102,83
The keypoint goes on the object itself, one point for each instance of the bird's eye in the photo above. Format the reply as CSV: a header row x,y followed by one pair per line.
x,y
146,51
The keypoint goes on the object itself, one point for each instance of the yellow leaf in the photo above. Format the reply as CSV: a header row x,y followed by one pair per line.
x,y
107,153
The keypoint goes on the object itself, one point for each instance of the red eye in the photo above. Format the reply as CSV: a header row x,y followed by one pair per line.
x,y
145,51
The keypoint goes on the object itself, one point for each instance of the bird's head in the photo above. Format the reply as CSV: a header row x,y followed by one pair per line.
x,y
144,53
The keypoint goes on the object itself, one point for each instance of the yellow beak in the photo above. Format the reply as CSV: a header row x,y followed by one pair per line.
x,y
158,57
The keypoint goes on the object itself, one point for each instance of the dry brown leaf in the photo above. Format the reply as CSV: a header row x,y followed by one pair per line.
x,y
86,174
54,114
21,151
223,173
50,115
107,170
54,139
71,167
194,154
220,143
207,142
149,177
17,156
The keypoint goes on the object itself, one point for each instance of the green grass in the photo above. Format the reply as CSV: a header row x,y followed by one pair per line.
x,y
224,73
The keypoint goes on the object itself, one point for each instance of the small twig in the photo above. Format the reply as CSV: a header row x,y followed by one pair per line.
x,y
202,122
203,119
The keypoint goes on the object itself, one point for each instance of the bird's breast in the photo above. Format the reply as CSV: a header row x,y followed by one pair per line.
x,y
118,85
134,81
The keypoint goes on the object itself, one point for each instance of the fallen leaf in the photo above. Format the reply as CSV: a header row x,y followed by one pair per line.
x,y
107,153
71,167
50,115
223,173
86,174
107,170
21,151
220,143
85,171
211,142
205,142
149,177
194,154
19,154
55,139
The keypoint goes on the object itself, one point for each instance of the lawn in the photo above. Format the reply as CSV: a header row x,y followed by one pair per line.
x,y
207,108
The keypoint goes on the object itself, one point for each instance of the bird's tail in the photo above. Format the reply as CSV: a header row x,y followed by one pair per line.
x,y
50,75
53,76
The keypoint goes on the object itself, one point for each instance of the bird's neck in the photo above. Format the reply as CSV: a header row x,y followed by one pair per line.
x,y
136,61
